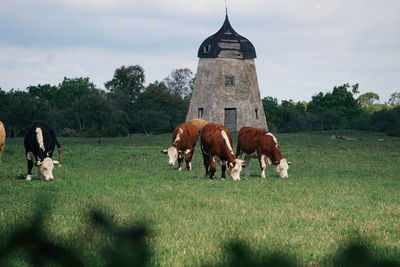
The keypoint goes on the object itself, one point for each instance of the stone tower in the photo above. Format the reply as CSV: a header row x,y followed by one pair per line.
x,y
226,87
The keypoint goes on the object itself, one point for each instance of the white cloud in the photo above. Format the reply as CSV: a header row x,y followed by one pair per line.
x,y
303,46
97,64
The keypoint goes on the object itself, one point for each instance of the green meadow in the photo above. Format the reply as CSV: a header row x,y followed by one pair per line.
x,y
337,190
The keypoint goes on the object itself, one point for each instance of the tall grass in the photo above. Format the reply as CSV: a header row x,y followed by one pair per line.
x,y
336,190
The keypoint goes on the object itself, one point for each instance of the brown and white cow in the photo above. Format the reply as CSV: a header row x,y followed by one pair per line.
x,y
2,139
254,141
184,140
216,142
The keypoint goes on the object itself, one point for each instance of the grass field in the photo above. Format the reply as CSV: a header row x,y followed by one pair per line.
x,y
336,190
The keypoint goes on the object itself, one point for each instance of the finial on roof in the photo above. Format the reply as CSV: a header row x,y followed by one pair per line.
x,y
226,8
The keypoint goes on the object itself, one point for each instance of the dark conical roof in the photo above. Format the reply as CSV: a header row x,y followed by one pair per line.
x,y
227,43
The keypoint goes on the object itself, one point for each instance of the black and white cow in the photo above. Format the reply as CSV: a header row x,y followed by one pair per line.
x,y
40,141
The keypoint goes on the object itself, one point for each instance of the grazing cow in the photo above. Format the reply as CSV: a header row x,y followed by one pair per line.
x,y
254,141
39,142
2,139
216,141
184,140
199,123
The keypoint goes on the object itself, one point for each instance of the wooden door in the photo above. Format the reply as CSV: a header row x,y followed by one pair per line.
x,y
230,119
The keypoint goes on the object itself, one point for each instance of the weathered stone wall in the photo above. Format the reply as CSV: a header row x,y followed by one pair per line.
x,y
211,93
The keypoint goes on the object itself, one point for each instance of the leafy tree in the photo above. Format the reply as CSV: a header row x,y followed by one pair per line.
x,y
340,100
272,112
127,81
46,94
92,112
394,99
292,116
20,111
367,100
180,82
3,101
157,111
70,90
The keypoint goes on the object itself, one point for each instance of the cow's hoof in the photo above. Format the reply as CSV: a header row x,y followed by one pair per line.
x,y
29,177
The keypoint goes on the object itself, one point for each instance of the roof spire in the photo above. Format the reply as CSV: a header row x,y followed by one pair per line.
x,y
226,8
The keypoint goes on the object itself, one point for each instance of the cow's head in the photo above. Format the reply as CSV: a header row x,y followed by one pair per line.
x,y
172,153
45,166
282,168
234,169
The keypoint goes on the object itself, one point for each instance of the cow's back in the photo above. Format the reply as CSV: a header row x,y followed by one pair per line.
x,y
199,123
249,139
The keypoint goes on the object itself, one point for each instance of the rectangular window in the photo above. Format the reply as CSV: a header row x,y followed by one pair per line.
x,y
230,80
207,49
200,113
256,110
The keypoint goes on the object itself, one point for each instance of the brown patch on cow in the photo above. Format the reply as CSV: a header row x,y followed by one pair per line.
x,y
2,138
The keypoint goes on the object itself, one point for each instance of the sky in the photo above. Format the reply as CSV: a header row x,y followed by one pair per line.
x,y
303,46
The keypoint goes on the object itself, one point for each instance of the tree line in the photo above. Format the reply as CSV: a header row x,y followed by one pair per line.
x,y
342,108
76,107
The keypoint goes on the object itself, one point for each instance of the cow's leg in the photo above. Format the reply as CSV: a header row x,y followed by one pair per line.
x,y
30,166
213,167
206,163
223,169
247,164
263,164
1,150
180,162
188,159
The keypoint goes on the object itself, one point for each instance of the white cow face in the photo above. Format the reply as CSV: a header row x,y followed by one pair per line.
x,y
234,169
46,168
172,153
282,168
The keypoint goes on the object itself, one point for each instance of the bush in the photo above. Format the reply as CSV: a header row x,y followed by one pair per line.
x,y
116,131
393,132
91,133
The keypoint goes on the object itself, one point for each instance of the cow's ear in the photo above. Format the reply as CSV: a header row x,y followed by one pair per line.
x,y
165,151
242,162
56,162
289,163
